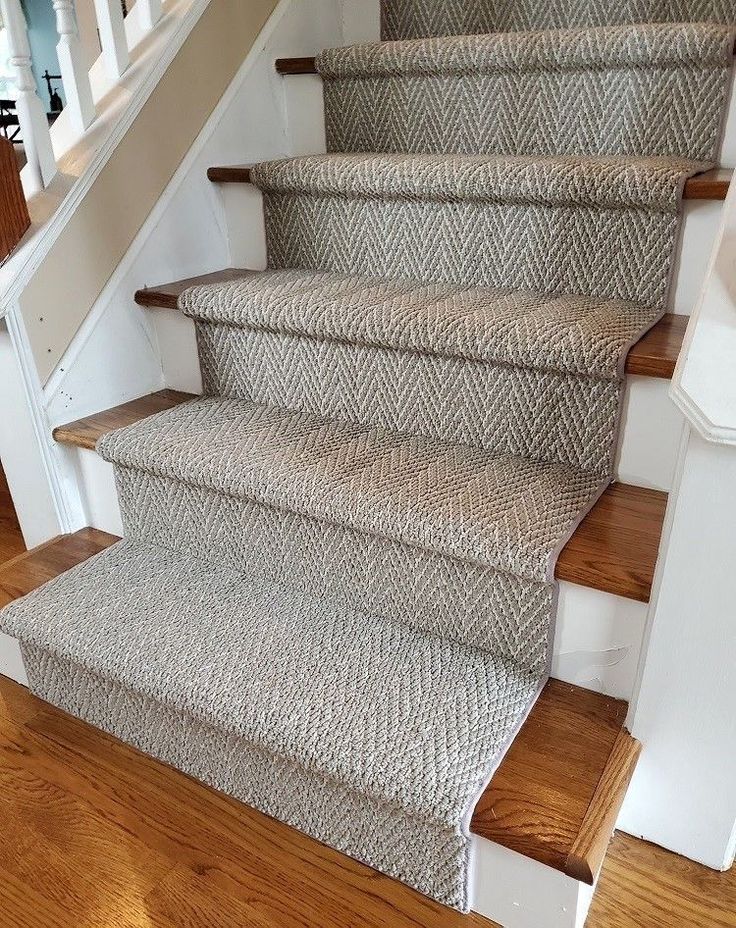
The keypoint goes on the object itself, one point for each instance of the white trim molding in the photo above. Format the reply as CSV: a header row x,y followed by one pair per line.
x,y
704,384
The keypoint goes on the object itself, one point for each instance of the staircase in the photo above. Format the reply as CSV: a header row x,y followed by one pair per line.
x,y
338,595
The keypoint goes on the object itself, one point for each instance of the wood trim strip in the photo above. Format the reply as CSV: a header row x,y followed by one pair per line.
x,y
656,354
296,65
229,174
589,849
84,433
552,796
710,185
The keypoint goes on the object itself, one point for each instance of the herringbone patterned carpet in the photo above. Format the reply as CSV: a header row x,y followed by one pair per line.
x,y
336,600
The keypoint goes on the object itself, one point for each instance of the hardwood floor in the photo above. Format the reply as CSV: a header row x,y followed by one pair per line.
x,y
96,835
11,539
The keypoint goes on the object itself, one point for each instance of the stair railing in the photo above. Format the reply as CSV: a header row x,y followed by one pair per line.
x,y
32,114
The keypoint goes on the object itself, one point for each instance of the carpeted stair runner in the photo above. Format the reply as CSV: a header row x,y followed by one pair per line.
x,y
336,597
582,92
408,19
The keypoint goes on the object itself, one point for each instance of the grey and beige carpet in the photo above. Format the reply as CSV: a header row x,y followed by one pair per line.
x,y
335,599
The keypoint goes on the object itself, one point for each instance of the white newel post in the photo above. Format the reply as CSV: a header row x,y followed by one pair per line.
x,y
683,795
150,12
74,73
111,25
34,124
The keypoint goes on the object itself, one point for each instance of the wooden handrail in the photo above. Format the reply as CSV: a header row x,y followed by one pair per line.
x,y
14,218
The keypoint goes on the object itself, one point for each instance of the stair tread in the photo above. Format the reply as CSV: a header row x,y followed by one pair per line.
x,y
29,570
708,185
651,184
540,796
497,510
84,433
551,333
615,47
655,355
613,550
380,717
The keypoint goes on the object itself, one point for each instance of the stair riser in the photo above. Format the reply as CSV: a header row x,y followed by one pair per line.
x,y
370,831
515,892
511,112
446,398
547,248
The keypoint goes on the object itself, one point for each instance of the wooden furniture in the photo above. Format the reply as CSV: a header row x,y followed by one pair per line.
x,y
14,218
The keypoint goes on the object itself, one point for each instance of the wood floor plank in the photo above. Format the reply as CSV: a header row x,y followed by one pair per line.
x,y
95,872
228,858
234,847
616,546
643,886
11,537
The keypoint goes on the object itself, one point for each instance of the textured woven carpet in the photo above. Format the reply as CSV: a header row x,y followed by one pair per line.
x,y
336,596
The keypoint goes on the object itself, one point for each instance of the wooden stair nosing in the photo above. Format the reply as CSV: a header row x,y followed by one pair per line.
x,y
654,355
710,185
84,433
614,549
555,795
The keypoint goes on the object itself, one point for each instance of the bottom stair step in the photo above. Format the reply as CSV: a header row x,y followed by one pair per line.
x,y
362,732
555,796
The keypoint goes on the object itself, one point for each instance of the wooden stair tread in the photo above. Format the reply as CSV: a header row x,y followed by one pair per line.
x,y
165,296
710,185
655,355
614,549
554,797
556,794
84,433
29,570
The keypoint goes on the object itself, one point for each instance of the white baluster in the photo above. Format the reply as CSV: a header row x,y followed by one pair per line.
x,y
34,124
73,69
150,12
111,25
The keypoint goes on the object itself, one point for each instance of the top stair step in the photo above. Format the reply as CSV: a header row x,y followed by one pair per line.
x,y
655,355
469,93
554,797
710,185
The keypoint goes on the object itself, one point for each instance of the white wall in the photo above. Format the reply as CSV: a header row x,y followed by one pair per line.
x,y
195,228
683,795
